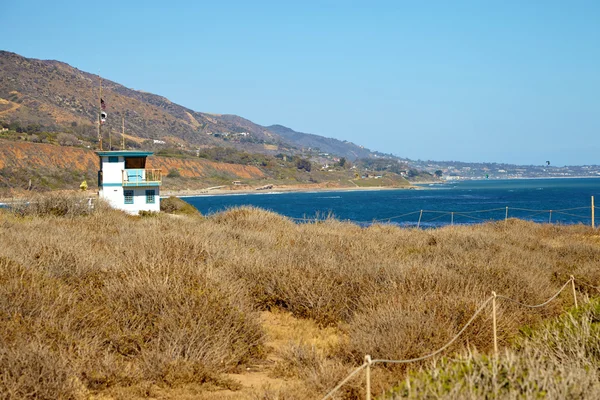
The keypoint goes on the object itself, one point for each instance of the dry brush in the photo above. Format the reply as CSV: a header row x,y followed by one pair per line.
x,y
93,302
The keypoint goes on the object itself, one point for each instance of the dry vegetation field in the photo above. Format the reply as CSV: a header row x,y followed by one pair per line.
x,y
247,304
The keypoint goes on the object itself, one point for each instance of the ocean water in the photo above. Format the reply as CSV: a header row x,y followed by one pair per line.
x,y
565,201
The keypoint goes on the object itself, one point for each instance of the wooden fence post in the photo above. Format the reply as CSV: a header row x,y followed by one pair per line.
x,y
368,376
494,324
573,288
593,219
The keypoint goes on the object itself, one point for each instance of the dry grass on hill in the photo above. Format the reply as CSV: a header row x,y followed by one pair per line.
x,y
130,307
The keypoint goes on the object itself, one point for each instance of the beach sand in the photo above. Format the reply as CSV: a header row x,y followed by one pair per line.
x,y
245,189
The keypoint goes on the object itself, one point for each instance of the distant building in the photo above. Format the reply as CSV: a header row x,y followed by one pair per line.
x,y
125,182
453,178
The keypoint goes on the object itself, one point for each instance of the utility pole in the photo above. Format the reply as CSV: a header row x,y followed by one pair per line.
x,y
123,133
100,115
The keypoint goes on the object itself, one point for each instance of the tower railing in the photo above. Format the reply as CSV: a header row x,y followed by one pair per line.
x,y
142,177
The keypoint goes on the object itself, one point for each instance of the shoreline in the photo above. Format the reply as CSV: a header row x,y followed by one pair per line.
x,y
276,190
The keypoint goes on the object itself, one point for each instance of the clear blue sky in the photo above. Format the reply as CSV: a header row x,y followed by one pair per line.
x,y
505,81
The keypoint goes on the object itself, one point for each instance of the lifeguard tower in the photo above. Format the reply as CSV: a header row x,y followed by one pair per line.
x,y
126,183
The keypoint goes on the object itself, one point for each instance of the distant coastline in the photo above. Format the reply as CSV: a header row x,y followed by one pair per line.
x,y
279,190
309,189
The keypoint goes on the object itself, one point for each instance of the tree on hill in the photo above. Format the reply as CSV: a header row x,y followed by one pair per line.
x,y
66,139
303,164
413,173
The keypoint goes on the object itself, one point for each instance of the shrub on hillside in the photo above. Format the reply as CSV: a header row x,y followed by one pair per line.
x,y
134,302
34,371
175,205
59,204
67,139
174,173
560,360
158,317
303,164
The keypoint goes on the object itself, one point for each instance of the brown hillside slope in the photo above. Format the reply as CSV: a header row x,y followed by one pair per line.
x,y
59,97
46,159
53,93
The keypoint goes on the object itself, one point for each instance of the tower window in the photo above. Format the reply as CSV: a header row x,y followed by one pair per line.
x,y
128,194
150,196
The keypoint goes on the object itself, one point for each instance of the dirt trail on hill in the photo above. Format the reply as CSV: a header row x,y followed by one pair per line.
x,y
256,380
282,330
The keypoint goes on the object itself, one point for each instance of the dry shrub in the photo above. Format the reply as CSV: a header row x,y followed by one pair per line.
x,y
33,371
130,301
175,205
58,204
558,361
319,371
168,321
29,367
289,392
251,218
399,331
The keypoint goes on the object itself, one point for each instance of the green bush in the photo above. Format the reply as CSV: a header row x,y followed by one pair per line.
x,y
173,173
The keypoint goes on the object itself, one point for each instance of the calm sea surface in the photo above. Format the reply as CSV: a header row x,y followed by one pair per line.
x,y
464,202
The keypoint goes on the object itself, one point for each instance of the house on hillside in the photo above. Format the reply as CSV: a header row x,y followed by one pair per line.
x,y
126,183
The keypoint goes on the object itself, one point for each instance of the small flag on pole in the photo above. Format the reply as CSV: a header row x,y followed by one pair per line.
x,y
102,104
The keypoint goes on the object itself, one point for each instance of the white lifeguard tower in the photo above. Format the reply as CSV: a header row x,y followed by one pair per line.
x,y
126,183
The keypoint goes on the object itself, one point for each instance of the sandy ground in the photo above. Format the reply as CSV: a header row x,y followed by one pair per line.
x,y
260,380
227,190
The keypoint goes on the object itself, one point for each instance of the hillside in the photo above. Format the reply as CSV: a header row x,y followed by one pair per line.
x,y
52,93
59,97
43,166
324,144
59,167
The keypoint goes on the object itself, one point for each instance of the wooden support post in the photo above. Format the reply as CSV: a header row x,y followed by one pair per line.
x,y
550,218
123,134
420,216
99,115
573,288
494,324
452,218
593,217
368,376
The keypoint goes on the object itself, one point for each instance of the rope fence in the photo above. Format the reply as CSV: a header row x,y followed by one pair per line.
x,y
492,299
493,214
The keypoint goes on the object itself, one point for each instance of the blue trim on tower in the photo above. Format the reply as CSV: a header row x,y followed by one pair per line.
x,y
134,184
141,184
124,153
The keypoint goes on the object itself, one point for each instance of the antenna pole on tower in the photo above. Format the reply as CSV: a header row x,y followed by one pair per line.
x,y
100,115
123,134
